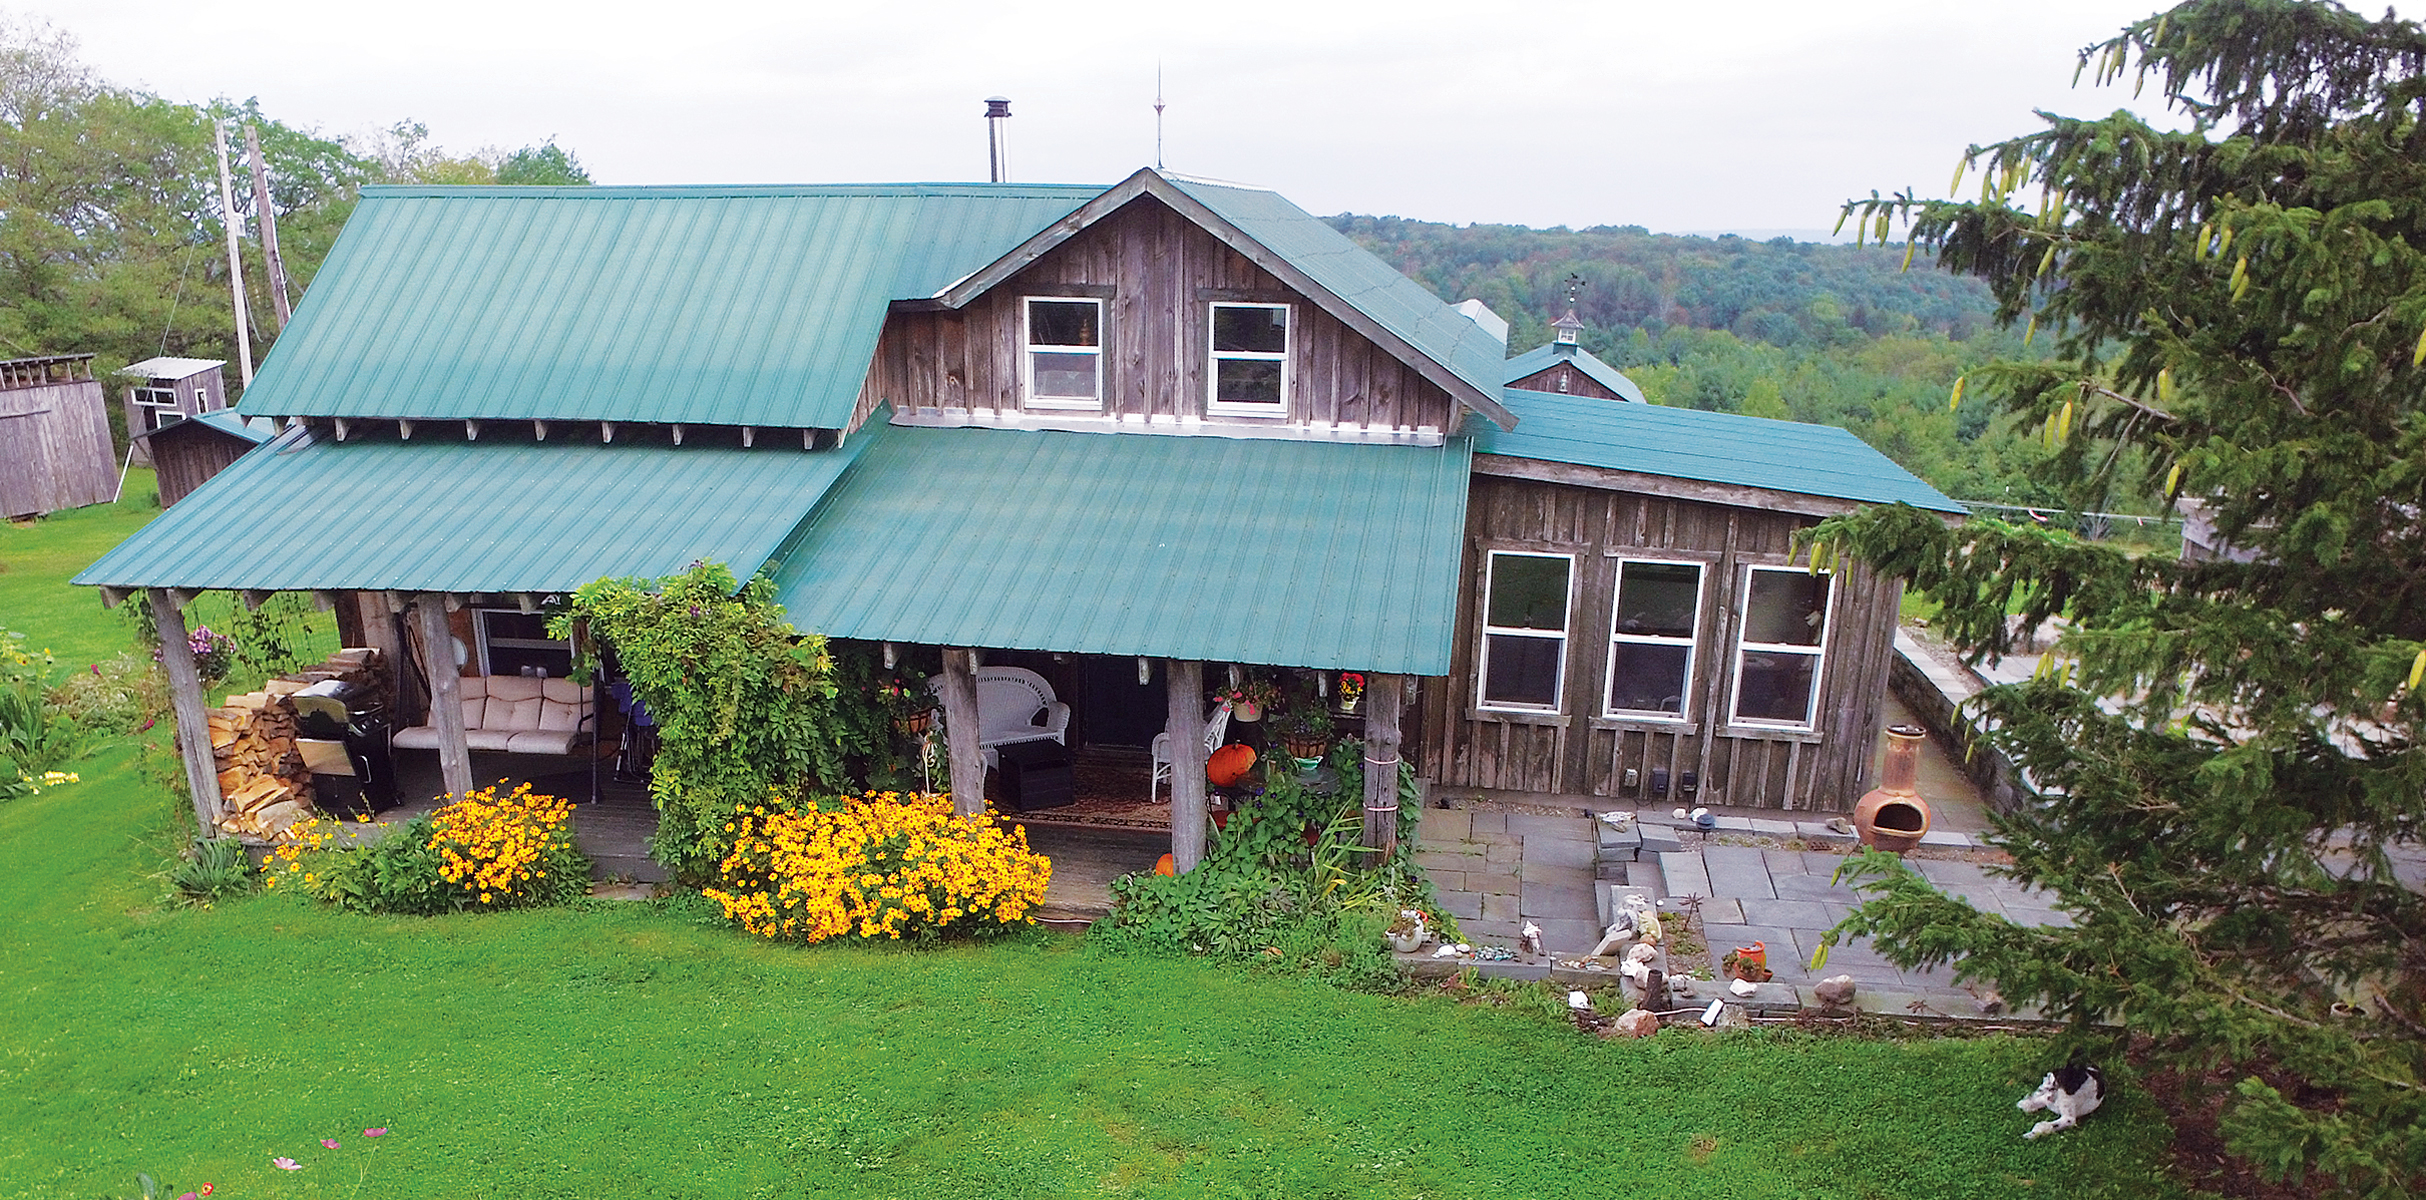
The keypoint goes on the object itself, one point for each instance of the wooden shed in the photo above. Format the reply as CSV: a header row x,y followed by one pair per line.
x,y
186,452
168,390
54,436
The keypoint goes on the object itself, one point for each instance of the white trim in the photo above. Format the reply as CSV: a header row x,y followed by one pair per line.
x,y
1214,358
1691,641
1482,659
1817,652
1181,426
1029,349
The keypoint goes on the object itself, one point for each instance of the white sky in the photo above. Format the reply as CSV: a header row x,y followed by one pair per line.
x,y
1754,115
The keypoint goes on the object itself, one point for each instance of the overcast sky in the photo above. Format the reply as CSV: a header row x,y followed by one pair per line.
x,y
1752,116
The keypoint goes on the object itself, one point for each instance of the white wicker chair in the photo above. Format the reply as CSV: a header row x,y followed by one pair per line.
x,y
1014,705
1217,727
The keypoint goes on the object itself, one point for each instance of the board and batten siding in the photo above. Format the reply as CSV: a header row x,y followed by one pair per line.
x,y
188,453
1157,273
1566,379
1581,753
55,450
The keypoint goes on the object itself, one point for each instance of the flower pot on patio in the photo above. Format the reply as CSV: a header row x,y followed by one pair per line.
x,y
1303,747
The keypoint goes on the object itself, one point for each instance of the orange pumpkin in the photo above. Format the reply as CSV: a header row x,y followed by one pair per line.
x,y
1229,764
1162,866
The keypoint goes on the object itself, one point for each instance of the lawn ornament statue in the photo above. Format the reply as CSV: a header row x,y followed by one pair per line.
x,y
2070,1093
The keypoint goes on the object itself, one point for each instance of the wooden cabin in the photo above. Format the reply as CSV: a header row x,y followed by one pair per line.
x,y
185,452
168,390
55,448
1139,433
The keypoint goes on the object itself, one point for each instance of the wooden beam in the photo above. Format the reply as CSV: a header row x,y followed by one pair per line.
x,y
1766,499
112,597
342,428
471,431
539,431
324,600
960,731
606,433
678,434
446,693
254,598
180,597
404,430
1184,684
185,701
1384,694
749,436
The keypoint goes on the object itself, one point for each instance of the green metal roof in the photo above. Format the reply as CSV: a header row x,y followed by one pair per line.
x,y
1357,276
712,305
1542,358
1312,554
471,517
256,430
1712,447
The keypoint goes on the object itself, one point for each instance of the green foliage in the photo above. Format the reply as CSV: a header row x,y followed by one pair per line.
x,y
36,736
546,164
871,703
1286,883
745,704
399,874
2231,755
209,871
114,697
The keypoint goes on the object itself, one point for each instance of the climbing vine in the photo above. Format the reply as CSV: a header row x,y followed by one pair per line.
x,y
744,704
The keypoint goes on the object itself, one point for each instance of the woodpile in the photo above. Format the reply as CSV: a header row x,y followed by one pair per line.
x,y
264,786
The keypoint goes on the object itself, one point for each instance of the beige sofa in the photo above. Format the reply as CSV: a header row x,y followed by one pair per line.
x,y
516,714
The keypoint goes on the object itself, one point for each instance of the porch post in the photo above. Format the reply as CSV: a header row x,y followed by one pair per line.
x,y
961,731
1383,695
446,693
185,700
1186,727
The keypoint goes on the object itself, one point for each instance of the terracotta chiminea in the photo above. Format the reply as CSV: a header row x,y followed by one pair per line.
x,y
1892,816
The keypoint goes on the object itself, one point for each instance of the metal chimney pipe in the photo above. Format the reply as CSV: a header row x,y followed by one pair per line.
x,y
998,110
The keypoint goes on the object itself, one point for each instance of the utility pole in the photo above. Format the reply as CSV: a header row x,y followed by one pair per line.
x,y
235,261
268,217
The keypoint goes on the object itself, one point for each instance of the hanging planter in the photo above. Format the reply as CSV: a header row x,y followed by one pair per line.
x,y
1246,710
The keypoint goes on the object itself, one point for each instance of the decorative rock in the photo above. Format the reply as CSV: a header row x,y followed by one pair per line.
x,y
1743,987
1835,992
1638,1022
1579,1001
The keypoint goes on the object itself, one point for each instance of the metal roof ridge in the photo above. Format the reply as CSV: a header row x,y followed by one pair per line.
x,y
708,190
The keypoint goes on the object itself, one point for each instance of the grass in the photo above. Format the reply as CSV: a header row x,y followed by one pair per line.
x,y
644,1049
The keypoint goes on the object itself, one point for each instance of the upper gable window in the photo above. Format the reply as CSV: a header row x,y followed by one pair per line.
x,y
1250,367
1065,353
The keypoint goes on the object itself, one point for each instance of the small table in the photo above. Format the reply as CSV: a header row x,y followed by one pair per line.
x,y
1036,775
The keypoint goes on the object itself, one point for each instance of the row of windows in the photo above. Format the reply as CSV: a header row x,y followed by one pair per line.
x,y
1247,374
1653,639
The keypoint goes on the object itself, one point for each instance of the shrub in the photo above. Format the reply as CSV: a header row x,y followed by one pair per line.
x,y
883,865
510,851
211,870
214,654
35,737
117,697
487,851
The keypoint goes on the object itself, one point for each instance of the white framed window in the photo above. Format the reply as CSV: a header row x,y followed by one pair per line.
x,y
1524,651
1249,372
1781,646
159,407
513,642
1651,638
1064,352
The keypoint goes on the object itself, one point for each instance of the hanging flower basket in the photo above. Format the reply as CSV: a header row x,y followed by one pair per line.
x,y
916,723
1305,747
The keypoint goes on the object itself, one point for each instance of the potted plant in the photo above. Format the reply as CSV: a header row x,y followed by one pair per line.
x,y
1305,729
1351,691
910,707
1250,697
1406,933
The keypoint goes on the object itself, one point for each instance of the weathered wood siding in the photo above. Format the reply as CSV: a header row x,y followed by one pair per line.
x,y
189,452
1566,380
55,448
1578,752
1157,273
201,392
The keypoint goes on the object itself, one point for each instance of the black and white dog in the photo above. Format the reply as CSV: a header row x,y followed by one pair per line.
x,y
2070,1093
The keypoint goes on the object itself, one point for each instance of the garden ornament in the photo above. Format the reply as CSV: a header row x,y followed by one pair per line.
x,y
1531,938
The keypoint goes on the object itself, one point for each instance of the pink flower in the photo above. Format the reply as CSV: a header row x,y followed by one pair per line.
x,y
189,1196
374,1132
286,1164
331,1143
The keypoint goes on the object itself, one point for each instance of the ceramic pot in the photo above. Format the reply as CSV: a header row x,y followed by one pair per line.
x,y
1247,711
1405,943
1892,816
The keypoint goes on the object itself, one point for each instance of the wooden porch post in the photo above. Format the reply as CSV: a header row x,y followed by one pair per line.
x,y
1383,695
960,731
185,700
446,693
1186,727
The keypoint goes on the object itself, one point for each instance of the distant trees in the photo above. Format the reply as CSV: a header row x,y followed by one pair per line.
x,y
109,206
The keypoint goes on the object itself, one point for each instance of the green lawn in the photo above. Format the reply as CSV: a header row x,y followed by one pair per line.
x,y
647,1050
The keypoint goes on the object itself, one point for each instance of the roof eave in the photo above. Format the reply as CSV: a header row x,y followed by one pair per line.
x,y
1147,182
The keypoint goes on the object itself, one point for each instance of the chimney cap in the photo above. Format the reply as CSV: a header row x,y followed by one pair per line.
x,y
998,106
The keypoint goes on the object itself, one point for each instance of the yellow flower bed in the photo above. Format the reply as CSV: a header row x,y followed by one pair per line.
x,y
886,865
501,848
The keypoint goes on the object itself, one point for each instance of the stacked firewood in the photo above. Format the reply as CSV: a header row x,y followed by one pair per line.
x,y
264,786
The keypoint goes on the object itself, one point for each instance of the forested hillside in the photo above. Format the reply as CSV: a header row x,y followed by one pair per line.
x,y
1836,335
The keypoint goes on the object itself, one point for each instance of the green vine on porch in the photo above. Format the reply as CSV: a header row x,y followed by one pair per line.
x,y
745,704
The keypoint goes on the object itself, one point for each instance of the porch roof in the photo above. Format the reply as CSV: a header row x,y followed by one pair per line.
x,y
1311,554
295,514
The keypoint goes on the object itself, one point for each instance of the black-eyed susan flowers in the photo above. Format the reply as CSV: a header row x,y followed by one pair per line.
x,y
883,865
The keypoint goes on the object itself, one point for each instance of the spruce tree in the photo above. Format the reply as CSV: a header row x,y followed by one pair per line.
x,y
2227,775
